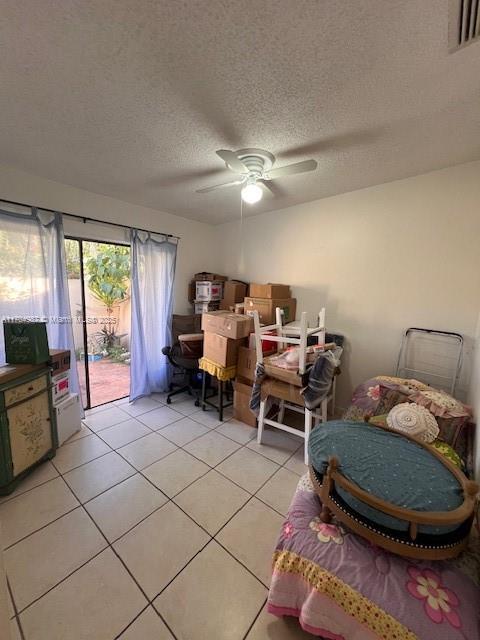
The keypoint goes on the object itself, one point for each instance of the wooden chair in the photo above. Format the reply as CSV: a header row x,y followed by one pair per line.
x,y
289,398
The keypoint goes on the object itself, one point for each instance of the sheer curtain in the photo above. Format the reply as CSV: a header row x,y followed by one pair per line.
x,y
33,278
153,272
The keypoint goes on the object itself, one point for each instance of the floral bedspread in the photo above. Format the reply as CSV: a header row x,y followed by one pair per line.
x,y
341,587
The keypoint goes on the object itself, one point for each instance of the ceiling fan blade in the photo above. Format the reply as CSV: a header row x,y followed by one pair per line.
x,y
290,169
273,187
231,160
220,186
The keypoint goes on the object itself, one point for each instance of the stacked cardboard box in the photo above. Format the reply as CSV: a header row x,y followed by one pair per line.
x,y
224,333
234,291
247,360
205,291
265,298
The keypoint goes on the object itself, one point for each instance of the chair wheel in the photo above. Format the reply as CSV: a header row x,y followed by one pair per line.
x,y
169,401
197,403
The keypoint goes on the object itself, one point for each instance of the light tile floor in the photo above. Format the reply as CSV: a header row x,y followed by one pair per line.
x,y
152,523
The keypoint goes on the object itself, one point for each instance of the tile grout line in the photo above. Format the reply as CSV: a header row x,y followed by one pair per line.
x,y
69,575
245,637
110,546
150,604
140,472
60,473
45,525
16,617
241,446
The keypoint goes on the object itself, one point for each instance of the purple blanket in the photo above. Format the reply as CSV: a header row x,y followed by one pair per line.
x,y
343,588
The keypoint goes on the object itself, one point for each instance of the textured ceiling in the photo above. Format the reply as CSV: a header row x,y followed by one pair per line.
x,y
131,99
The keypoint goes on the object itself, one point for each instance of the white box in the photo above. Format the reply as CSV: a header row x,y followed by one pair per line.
x,y
206,291
69,417
60,387
205,307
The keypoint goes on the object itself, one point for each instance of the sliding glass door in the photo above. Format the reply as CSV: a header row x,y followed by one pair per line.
x,y
99,288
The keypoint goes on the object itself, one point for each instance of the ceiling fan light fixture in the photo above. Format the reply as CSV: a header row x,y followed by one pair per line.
x,y
252,193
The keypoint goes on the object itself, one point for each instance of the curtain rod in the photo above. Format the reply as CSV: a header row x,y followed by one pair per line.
x,y
87,219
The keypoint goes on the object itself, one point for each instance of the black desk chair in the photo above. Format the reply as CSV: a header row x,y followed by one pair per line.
x,y
183,356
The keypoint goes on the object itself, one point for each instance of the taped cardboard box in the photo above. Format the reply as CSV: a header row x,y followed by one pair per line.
x,y
233,291
230,325
241,404
270,290
266,308
221,350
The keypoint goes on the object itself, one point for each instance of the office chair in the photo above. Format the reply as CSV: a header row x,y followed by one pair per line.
x,y
183,355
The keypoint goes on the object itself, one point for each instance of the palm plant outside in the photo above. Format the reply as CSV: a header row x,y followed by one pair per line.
x,y
107,271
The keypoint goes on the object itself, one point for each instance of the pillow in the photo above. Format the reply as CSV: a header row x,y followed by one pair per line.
x,y
413,420
378,421
440,403
449,452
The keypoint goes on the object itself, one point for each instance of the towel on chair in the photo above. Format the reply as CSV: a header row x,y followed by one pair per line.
x,y
255,398
321,377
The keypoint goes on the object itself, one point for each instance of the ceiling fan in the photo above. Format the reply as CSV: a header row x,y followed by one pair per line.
x,y
254,167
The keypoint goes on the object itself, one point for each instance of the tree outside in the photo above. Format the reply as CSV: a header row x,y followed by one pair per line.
x,y
107,274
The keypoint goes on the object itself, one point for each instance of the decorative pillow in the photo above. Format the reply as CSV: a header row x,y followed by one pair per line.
x,y
413,420
449,452
410,383
378,421
440,403
376,396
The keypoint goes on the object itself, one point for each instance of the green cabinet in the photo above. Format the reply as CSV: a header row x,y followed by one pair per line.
x,y
27,422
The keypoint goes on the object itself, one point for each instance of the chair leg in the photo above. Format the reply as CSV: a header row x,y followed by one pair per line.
x,y
281,412
220,400
308,428
261,418
204,390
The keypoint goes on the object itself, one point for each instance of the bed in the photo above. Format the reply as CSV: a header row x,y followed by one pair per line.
x,y
392,488
341,587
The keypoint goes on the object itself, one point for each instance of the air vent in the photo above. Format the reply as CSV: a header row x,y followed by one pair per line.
x,y
464,23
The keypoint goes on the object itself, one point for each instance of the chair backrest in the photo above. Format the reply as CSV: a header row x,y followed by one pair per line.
x,y
185,324
289,335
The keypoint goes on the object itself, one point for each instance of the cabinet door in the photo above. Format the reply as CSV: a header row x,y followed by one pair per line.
x,y
30,431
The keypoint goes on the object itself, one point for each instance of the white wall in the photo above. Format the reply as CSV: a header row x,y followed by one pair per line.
x,y
380,259
474,396
195,249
